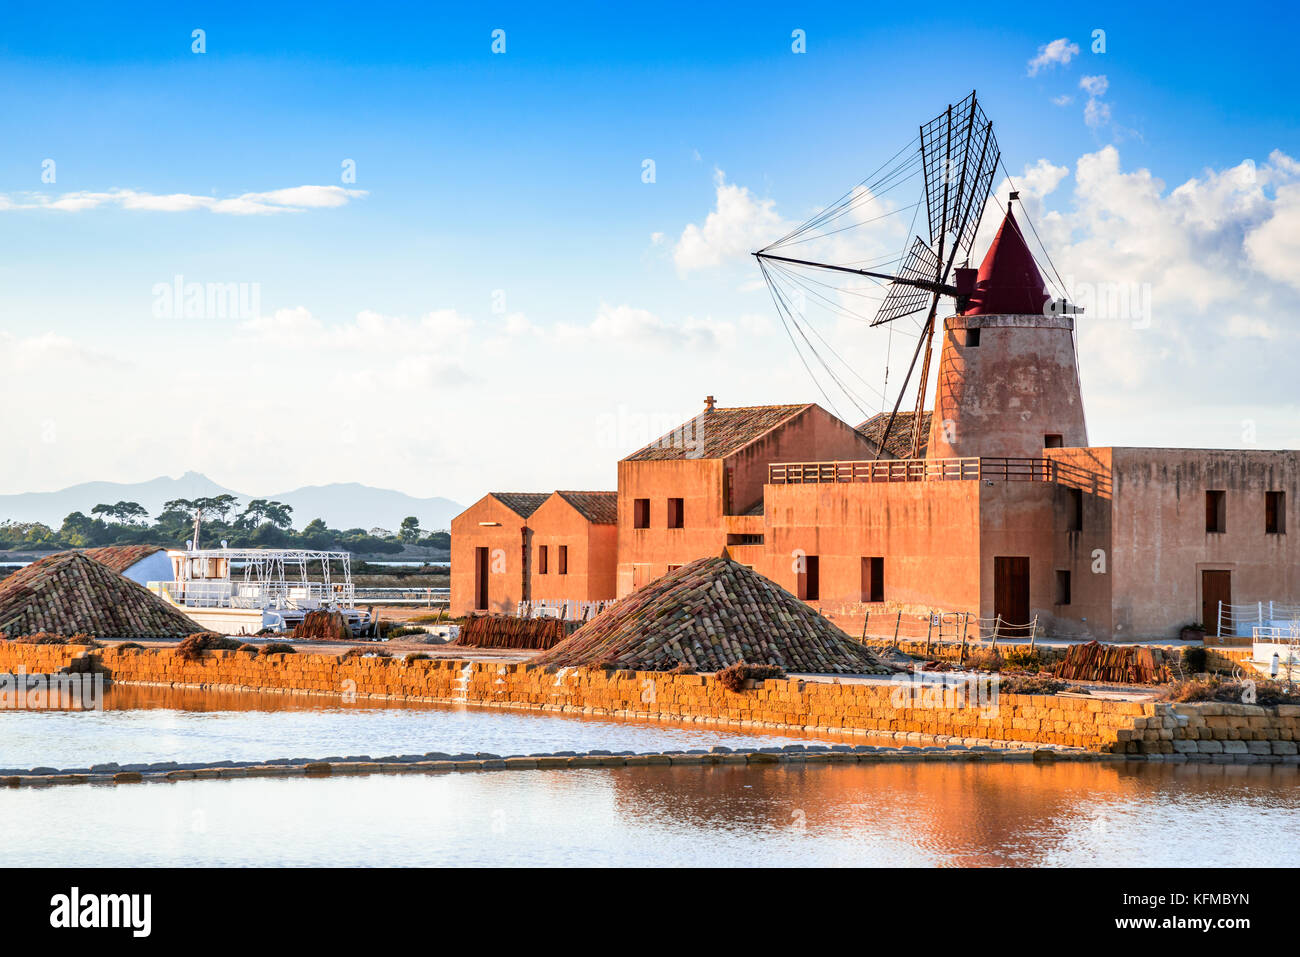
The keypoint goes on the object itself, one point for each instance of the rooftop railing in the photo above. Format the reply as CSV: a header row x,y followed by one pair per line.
x,y
912,470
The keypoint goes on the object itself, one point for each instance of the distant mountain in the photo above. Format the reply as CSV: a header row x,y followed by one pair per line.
x,y
342,505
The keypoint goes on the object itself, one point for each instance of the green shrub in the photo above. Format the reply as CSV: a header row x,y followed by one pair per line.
x,y
417,656
1234,691
278,648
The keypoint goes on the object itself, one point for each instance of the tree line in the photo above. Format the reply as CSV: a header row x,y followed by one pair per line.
x,y
257,523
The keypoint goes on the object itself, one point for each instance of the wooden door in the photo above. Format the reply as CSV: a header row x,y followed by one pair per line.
x,y
1011,594
1216,586
480,579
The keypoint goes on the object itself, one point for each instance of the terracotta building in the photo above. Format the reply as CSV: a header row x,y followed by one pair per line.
x,y
512,547
1009,515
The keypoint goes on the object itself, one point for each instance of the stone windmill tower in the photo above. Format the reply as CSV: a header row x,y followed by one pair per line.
x,y
1008,381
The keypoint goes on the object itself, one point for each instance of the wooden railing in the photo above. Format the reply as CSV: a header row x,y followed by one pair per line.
x,y
912,470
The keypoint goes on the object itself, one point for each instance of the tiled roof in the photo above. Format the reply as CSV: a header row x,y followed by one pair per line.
x,y
121,557
709,614
70,594
900,436
522,504
599,508
717,433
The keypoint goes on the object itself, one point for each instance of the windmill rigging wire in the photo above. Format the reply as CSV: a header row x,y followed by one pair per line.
x,y
852,396
819,218
771,288
842,208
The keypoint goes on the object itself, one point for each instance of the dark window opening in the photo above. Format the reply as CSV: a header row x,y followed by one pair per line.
x,y
810,579
480,579
1275,513
1062,587
873,579
1053,441
641,513
1074,513
1216,511
744,538
972,337
563,560
541,560
676,513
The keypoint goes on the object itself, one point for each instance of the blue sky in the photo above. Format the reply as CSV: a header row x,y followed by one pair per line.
x,y
485,178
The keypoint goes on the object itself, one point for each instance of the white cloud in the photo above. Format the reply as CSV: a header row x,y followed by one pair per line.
x,y
1095,85
739,224
1063,100
1060,51
292,200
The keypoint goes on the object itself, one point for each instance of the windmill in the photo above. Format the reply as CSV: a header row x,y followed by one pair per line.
x,y
958,155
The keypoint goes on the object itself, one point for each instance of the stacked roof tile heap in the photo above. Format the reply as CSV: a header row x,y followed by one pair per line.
x,y
710,614
71,594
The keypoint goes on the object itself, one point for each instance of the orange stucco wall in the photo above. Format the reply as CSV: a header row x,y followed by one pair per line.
x,y
717,493
928,534
505,542
591,554
1161,546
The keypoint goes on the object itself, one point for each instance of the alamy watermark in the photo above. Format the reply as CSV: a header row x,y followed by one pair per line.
x,y
20,691
947,690
179,299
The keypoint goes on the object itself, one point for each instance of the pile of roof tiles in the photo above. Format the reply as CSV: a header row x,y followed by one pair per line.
x,y
505,631
708,615
70,594
1129,664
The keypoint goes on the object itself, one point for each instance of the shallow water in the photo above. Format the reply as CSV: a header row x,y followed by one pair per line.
x,y
882,814
142,725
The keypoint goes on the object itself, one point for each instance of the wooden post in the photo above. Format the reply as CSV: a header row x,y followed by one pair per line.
x,y
1033,632
929,630
961,658
997,624
866,616
896,624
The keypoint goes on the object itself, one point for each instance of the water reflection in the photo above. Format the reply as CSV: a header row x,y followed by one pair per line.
x,y
880,814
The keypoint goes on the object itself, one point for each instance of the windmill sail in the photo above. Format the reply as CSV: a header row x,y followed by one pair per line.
x,y
959,156
903,300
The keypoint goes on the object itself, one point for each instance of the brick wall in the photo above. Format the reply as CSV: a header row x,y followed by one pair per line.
x,y
1100,725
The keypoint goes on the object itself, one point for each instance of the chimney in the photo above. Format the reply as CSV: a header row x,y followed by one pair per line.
x,y
709,403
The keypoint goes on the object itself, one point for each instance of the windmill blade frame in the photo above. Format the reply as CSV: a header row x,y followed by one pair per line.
x,y
959,156
922,263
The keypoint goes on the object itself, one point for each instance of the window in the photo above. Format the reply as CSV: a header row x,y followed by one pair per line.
x,y
641,513
972,337
541,560
810,579
744,538
563,560
1275,513
673,568
676,513
1062,587
1216,511
1074,510
873,579
1053,440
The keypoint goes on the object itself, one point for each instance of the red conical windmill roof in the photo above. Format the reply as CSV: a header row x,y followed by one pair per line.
x,y
1008,282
